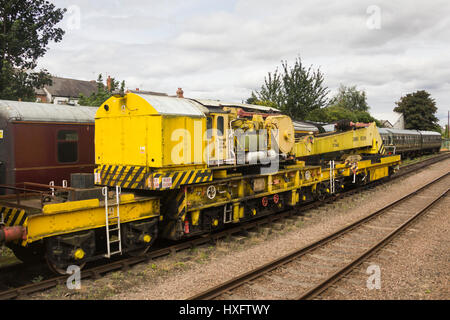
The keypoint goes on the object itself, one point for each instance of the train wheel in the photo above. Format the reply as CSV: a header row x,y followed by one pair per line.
x,y
31,254
321,192
139,236
138,252
69,249
58,269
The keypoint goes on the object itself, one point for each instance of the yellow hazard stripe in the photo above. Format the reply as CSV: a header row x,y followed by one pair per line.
x,y
13,216
181,201
135,177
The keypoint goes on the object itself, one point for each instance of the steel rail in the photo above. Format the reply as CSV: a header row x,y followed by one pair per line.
x,y
96,272
264,269
327,283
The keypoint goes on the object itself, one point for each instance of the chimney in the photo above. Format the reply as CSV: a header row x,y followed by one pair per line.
x,y
180,93
137,89
108,83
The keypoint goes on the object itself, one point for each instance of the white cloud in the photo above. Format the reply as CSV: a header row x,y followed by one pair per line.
x,y
223,49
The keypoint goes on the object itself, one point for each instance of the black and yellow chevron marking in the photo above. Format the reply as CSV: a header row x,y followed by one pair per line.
x,y
382,149
181,202
136,177
13,216
124,176
179,178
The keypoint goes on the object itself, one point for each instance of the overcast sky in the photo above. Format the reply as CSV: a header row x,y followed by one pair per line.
x,y
224,49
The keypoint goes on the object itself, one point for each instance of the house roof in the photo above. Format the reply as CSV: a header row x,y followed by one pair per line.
x,y
64,87
386,122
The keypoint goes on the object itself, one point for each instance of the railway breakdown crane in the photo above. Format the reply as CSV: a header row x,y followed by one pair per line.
x,y
175,168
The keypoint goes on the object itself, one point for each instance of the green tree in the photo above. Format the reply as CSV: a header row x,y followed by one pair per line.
x,y
296,90
348,104
419,111
253,99
103,93
351,99
444,131
26,28
332,114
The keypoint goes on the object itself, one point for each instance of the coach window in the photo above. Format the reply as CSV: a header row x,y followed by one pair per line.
x,y
208,128
220,126
67,146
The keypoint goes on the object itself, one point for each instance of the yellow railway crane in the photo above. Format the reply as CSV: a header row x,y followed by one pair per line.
x,y
188,167
171,148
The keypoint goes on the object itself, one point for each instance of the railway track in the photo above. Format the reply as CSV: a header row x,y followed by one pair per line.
x,y
317,266
125,263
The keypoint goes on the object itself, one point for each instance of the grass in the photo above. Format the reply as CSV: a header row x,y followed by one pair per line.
x,y
118,275
299,223
179,265
6,252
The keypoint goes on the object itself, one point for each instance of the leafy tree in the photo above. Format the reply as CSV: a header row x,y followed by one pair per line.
x,y
419,111
332,114
296,90
348,104
253,99
444,131
103,93
351,99
26,28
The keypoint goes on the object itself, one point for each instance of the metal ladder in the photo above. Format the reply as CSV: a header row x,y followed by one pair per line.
x,y
332,181
112,223
227,213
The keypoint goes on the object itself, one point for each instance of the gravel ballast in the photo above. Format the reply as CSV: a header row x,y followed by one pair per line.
x,y
187,273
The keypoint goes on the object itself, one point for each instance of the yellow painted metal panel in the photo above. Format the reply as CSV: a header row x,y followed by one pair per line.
x,y
368,139
61,222
132,133
129,105
182,140
379,173
70,206
126,141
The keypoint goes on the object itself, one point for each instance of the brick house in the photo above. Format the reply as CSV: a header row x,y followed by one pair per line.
x,y
65,91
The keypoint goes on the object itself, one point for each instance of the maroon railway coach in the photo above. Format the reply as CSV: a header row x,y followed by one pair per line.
x,y
44,142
